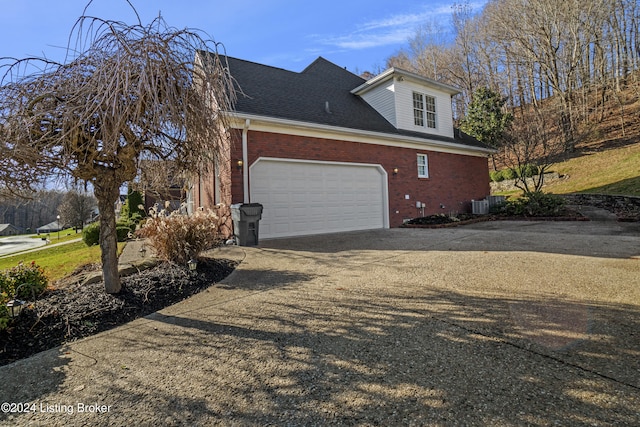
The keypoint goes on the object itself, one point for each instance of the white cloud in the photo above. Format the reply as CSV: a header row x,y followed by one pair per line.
x,y
391,30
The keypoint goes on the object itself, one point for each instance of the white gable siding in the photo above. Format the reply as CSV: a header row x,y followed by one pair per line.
x,y
404,108
382,98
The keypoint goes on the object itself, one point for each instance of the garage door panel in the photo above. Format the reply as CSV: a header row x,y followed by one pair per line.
x,y
310,198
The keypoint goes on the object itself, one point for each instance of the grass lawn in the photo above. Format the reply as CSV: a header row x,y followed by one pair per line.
x,y
609,171
63,236
58,261
614,171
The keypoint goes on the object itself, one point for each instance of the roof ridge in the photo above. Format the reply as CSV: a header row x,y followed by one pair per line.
x,y
320,60
259,64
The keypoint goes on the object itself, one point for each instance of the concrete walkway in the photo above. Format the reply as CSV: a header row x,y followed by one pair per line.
x,y
496,323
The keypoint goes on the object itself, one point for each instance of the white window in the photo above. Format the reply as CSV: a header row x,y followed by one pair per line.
x,y
424,110
423,166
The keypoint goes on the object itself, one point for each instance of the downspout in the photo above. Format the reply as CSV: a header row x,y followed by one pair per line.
x,y
245,162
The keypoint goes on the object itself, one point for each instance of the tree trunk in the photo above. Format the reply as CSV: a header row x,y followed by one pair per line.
x,y
107,192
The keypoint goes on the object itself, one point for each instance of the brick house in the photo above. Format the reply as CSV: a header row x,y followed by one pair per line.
x,y
326,151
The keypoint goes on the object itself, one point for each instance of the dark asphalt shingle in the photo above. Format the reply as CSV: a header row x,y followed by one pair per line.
x,y
275,92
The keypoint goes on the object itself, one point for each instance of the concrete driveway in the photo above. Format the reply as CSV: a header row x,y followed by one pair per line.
x,y
497,323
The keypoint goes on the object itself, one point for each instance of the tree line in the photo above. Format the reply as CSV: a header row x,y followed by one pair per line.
x,y
34,210
556,63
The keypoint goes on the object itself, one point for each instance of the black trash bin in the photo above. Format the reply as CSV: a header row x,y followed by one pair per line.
x,y
246,222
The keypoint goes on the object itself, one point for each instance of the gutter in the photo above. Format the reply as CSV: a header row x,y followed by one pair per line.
x,y
362,135
245,161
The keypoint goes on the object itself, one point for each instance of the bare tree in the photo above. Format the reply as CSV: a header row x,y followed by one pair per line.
x,y
131,92
530,143
76,209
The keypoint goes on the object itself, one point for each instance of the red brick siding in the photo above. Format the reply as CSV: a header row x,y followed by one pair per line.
x,y
454,179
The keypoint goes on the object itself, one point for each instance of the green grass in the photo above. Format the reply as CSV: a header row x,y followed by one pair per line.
x,y
611,171
63,236
58,261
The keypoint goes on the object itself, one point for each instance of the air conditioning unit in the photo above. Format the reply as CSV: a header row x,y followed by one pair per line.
x,y
480,207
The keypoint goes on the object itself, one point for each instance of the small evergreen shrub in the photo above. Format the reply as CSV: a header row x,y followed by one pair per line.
x,y
24,281
133,207
535,204
496,176
527,171
179,238
125,228
91,234
544,204
508,174
4,314
122,232
6,293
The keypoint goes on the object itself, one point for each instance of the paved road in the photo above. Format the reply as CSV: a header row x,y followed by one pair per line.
x,y
13,244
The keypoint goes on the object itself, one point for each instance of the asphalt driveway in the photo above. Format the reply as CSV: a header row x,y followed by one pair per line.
x,y
497,323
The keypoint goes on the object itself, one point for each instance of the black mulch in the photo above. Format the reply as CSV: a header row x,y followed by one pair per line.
x,y
77,311
440,219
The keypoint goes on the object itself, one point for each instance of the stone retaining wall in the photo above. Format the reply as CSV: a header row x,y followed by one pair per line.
x,y
627,208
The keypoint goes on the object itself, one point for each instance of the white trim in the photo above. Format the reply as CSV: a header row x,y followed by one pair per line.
x,y
245,161
383,173
426,164
315,130
402,74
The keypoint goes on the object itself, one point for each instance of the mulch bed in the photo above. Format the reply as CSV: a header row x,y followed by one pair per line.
x,y
443,221
77,311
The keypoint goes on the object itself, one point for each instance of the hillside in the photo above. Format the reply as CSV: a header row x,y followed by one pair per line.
x,y
607,156
601,170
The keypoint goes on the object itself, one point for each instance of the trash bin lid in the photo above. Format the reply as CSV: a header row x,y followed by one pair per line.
x,y
251,209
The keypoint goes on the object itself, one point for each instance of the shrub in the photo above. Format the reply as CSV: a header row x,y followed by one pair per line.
x,y
132,207
527,171
24,281
544,204
91,234
178,238
122,232
535,204
4,314
496,176
4,298
508,174
123,228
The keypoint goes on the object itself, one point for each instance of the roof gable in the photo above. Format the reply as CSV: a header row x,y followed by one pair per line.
x,y
320,94
323,93
403,74
332,74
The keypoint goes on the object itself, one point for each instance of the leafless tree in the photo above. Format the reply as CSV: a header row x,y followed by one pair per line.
x,y
76,208
530,142
129,93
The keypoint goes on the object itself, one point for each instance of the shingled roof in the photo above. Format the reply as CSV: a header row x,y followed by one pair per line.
x,y
320,94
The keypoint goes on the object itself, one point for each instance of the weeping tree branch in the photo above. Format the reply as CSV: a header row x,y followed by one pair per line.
x,y
135,91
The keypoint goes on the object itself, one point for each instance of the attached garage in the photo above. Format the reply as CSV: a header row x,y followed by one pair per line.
x,y
310,197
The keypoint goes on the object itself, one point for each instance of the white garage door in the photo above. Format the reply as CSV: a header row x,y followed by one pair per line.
x,y
302,197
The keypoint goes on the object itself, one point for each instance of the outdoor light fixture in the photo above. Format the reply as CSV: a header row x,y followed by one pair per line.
x,y
58,218
240,163
192,264
395,171
15,307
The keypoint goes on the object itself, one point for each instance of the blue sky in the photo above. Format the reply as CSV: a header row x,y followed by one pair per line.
x,y
357,34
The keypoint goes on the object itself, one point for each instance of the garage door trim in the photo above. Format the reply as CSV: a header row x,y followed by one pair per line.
x,y
378,167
